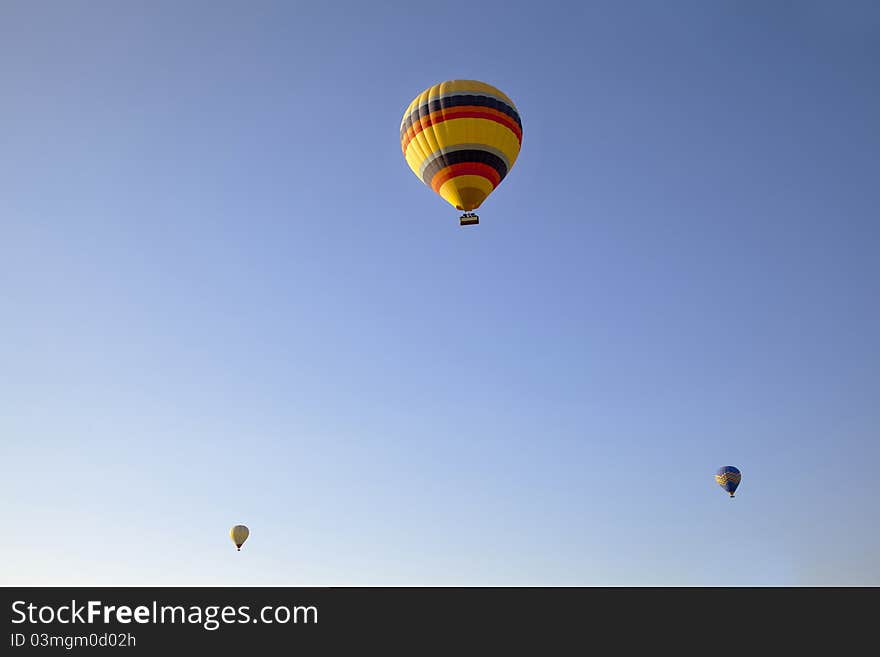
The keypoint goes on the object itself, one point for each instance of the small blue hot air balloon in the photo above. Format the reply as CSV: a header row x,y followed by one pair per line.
x,y
728,478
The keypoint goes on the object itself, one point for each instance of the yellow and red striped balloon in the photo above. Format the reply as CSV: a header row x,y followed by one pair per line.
x,y
461,138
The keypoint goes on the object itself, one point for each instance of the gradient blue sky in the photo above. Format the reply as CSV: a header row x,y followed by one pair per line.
x,y
226,299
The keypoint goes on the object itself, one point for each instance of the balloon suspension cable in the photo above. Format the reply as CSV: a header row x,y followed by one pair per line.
x,y
469,219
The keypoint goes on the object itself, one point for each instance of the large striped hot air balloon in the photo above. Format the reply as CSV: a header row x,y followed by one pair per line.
x,y
461,137
728,477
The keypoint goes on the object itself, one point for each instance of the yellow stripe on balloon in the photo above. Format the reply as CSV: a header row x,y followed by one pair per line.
x,y
466,193
461,131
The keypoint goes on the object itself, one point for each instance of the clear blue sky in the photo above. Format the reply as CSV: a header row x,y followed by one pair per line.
x,y
226,299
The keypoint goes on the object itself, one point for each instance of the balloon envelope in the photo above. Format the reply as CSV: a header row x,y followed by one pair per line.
x,y
728,477
239,535
460,138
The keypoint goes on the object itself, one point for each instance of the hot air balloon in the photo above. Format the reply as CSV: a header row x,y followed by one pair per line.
x,y
728,478
239,535
461,138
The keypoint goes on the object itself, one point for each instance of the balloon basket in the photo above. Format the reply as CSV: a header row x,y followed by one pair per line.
x,y
469,219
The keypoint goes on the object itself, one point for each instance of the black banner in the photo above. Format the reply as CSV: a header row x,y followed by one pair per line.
x,y
158,620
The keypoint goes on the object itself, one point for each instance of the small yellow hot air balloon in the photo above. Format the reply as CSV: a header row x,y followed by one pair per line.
x,y
239,535
460,138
